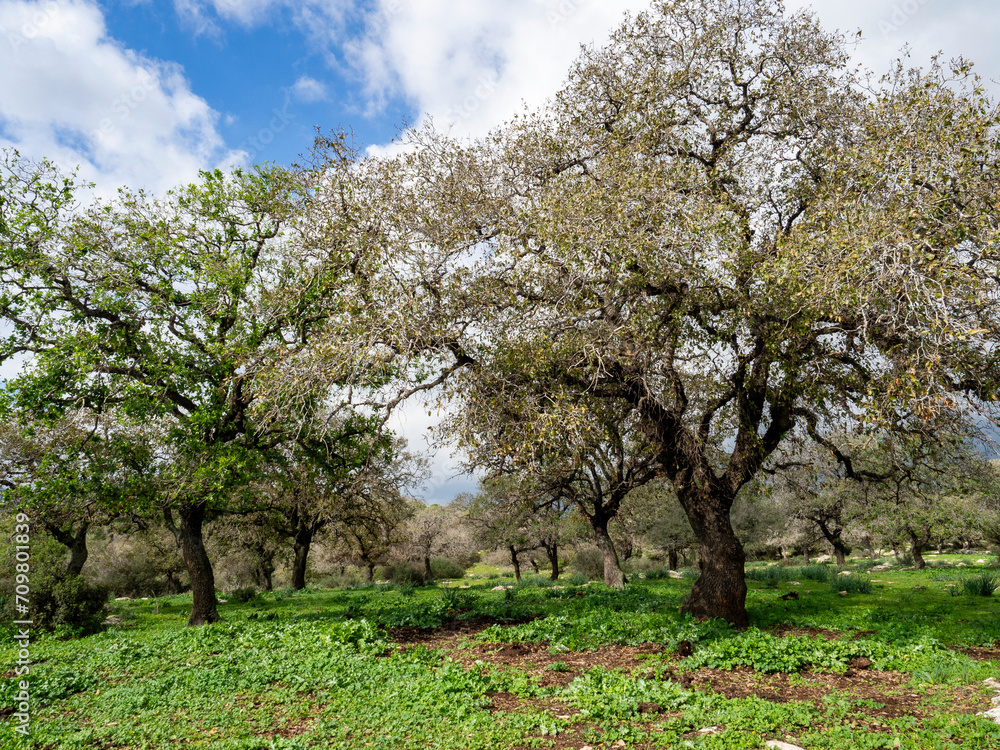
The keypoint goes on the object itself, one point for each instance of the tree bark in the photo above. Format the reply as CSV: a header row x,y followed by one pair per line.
x,y
199,566
76,541
672,559
266,569
428,573
613,575
917,545
839,552
515,562
303,540
369,572
173,585
721,589
552,552
833,536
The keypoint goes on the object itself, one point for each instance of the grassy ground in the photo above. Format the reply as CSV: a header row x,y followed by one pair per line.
x,y
535,666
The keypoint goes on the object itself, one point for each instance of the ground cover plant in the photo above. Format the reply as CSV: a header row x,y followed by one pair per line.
x,y
482,663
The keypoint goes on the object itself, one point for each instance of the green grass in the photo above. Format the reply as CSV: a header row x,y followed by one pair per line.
x,y
320,669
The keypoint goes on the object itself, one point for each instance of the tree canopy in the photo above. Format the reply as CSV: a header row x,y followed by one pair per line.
x,y
715,230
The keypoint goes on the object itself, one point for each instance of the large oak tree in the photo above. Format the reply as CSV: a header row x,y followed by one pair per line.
x,y
716,227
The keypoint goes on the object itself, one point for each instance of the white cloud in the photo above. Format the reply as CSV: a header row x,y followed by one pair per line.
x,y
470,65
966,28
308,90
73,94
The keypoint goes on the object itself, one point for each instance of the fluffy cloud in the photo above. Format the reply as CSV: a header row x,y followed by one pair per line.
x,y
123,118
470,65
965,28
308,89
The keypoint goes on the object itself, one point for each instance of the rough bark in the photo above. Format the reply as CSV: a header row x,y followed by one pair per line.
x,y
833,536
840,552
266,570
672,559
304,533
369,572
613,575
721,589
428,573
552,552
515,562
76,542
199,566
917,545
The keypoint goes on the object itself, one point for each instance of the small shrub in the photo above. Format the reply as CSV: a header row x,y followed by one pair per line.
x,y
657,574
576,579
68,603
443,569
406,588
983,584
770,576
402,572
852,584
815,572
590,562
244,594
455,600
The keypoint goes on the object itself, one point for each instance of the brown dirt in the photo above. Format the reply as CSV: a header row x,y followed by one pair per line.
x,y
891,693
785,630
981,653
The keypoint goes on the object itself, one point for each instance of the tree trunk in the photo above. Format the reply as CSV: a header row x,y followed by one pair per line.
x,y
203,606
173,585
916,549
303,540
840,552
613,575
721,589
428,573
515,562
805,554
266,569
76,542
672,559
534,565
370,572
552,552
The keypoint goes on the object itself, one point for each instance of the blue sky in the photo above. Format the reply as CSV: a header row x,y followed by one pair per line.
x,y
147,92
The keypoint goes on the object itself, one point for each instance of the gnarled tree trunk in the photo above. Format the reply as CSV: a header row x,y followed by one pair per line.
x,y
199,566
552,552
515,562
721,589
613,575
917,544
76,541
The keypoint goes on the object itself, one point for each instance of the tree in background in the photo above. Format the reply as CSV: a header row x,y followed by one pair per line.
x,y
928,488
84,469
653,514
154,308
